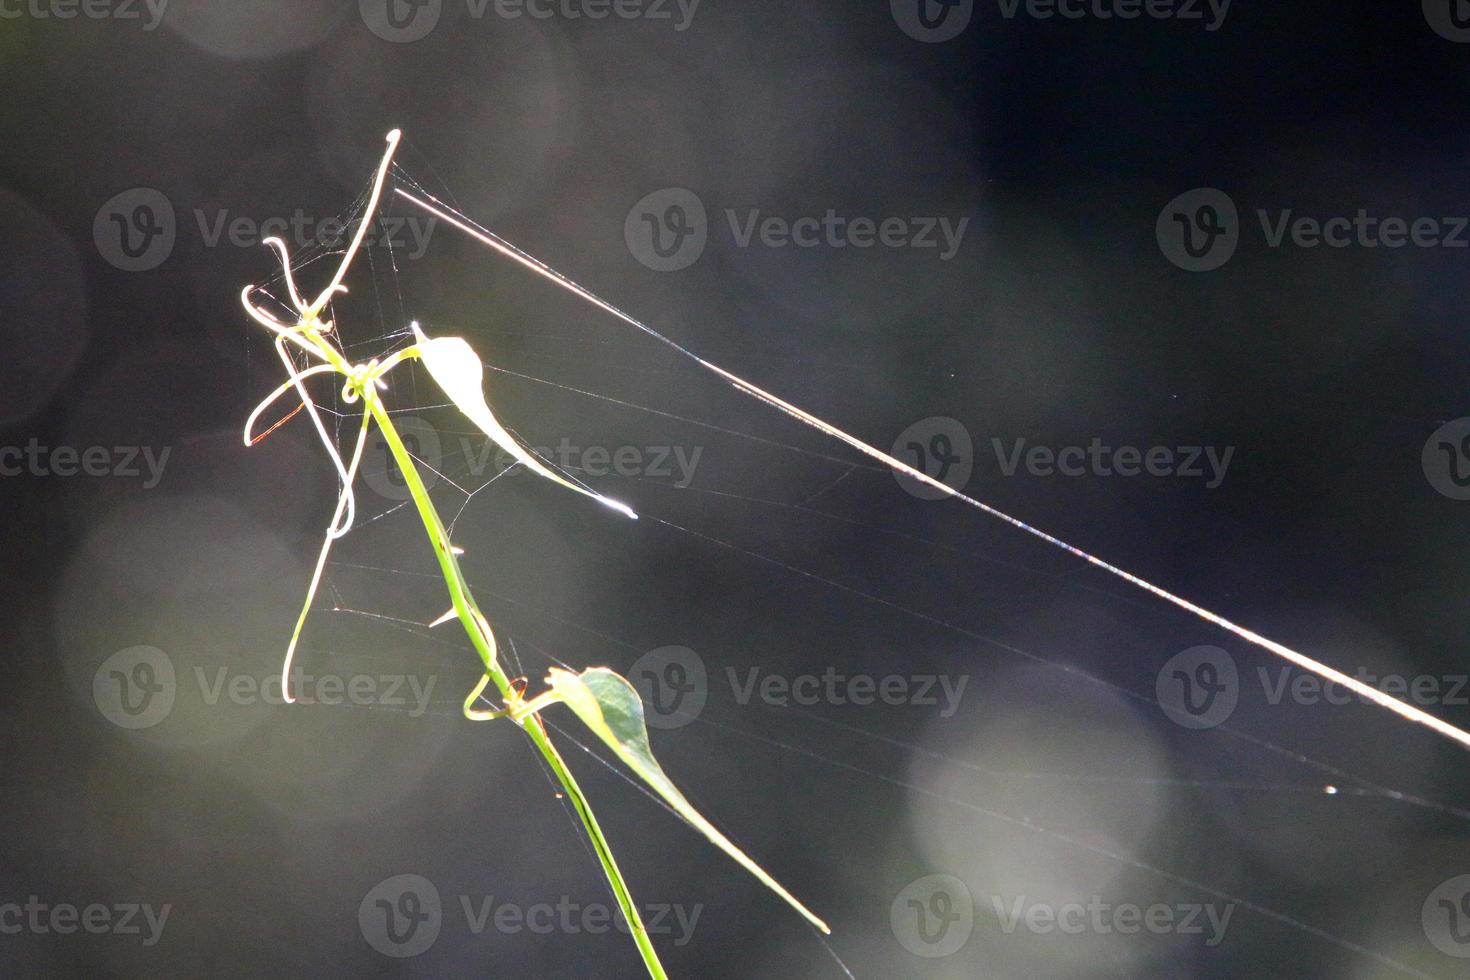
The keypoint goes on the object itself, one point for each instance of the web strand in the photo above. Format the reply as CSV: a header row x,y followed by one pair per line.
x,y
484,236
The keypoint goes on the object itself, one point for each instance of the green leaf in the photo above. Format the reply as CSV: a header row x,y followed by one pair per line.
x,y
610,706
456,368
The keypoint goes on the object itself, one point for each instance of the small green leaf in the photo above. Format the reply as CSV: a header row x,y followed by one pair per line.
x,y
456,367
610,706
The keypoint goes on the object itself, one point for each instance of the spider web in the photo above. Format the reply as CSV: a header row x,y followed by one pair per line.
x,y
1057,777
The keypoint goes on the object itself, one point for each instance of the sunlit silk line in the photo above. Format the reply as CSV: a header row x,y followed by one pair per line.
x,y
1366,691
1363,788
1027,823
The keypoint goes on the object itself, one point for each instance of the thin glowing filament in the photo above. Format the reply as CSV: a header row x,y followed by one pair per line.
x,y
1301,660
344,518
278,423
270,399
263,318
280,247
345,513
344,502
367,216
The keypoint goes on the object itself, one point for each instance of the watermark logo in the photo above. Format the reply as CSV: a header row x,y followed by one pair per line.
x,y
1425,690
139,688
1198,688
936,21
380,470
933,916
359,690
479,458
135,231
1100,917
1201,687
573,918
64,919
667,230
406,234
135,688
401,916
1450,19
1210,12
152,10
1208,463
943,448
836,231
674,685
932,21
1199,230
1446,459
401,21
673,682
940,447
832,687
126,462
1445,917
406,21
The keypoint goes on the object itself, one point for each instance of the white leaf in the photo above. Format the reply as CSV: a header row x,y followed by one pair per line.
x,y
456,367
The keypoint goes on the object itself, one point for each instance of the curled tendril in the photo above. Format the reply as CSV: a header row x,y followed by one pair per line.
x,y
310,333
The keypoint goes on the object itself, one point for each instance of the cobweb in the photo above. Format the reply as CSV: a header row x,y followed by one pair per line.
x,y
1028,755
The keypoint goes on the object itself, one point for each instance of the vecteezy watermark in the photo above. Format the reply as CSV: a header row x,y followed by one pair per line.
x,y
362,690
1445,917
1446,459
669,229
1450,19
136,230
933,916
673,682
478,456
569,917
97,919
405,21
836,688
1200,687
138,688
935,21
35,459
1424,690
942,448
1200,229
832,230
1098,459
1100,917
149,11
932,21
406,232
1210,12
403,916
135,688
939,447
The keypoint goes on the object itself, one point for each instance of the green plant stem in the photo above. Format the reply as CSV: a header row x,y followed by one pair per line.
x,y
475,625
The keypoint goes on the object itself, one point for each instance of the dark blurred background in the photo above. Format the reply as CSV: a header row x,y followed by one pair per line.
x,y
1126,267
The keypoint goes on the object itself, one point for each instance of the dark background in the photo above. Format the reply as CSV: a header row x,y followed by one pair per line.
x,y
1060,320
